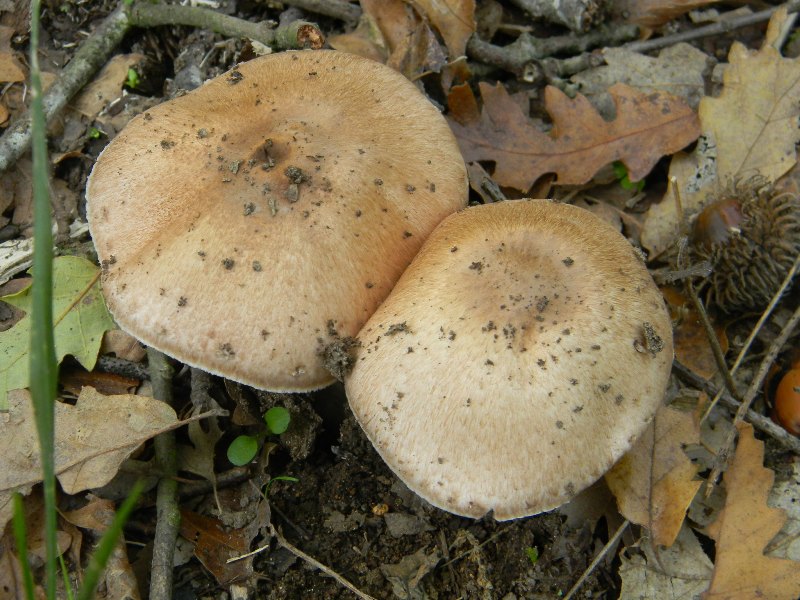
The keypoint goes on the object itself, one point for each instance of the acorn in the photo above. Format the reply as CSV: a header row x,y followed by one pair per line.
x,y
786,402
751,237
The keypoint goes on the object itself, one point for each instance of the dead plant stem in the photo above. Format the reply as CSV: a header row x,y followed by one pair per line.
x,y
774,349
168,515
600,556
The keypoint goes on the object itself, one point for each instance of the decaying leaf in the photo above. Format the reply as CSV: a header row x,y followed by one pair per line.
x,y
10,70
679,70
80,318
654,13
213,546
647,127
679,572
744,528
118,579
454,19
106,86
784,495
92,439
692,347
654,483
750,128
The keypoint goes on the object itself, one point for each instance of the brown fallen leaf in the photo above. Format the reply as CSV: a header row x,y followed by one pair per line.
x,y
690,341
679,572
454,19
92,439
749,129
647,127
213,546
654,483
654,13
118,578
744,528
106,86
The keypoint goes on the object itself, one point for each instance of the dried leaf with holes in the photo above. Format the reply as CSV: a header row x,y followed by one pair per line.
x,y
750,129
647,127
744,528
92,439
654,483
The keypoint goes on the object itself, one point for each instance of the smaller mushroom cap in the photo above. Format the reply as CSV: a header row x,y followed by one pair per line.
x,y
519,356
253,223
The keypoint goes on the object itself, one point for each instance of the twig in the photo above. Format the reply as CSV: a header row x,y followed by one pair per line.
x,y
721,26
757,420
296,34
91,55
310,560
336,9
520,57
168,516
600,556
774,349
94,52
763,319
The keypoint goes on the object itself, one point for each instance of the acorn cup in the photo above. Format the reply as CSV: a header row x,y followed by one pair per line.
x,y
751,237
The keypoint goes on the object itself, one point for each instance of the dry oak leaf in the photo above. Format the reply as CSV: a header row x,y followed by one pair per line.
x,y
647,127
214,546
92,439
751,128
654,483
744,528
454,19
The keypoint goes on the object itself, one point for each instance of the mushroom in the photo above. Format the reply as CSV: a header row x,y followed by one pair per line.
x,y
248,225
519,356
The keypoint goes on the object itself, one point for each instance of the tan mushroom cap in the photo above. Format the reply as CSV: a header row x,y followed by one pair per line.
x,y
244,226
519,356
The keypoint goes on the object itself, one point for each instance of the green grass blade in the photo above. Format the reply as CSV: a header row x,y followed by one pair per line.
x,y
21,535
43,360
106,546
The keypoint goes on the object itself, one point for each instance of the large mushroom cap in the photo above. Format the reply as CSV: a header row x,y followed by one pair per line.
x,y
246,225
519,356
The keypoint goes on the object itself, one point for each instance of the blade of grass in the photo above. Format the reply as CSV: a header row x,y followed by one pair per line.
x,y
21,536
65,578
106,546
42,356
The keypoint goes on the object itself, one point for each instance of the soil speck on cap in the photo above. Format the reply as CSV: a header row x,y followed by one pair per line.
x,y
652,341
228,263
476,266
338,356
397,328
235,77
568,261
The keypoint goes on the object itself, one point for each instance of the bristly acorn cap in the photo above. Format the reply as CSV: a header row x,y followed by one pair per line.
x,y
519,356
245,226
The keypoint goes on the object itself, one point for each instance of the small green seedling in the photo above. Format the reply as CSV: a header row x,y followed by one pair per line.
x,y
242,450
132,80
278,478
95,133
621,173
245,447
277,419
532,552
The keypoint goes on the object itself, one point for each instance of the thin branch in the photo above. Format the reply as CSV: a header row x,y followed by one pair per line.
x,y
600,556
757,420
168,513
774,349
763,319
336,9
95,51
722,26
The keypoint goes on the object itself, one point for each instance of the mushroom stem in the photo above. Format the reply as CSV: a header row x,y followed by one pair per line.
x,y
297,34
